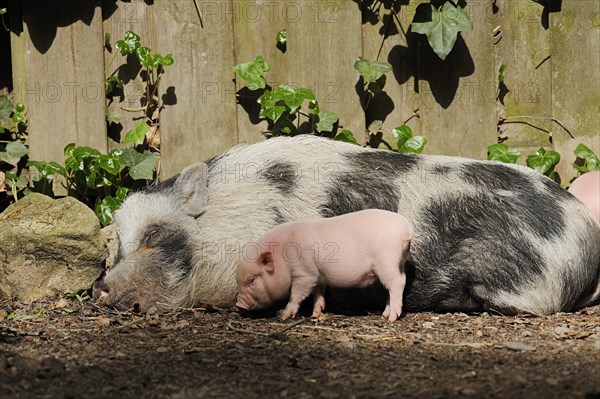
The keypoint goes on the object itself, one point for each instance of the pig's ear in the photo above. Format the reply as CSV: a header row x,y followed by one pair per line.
x,y
192,185
266,260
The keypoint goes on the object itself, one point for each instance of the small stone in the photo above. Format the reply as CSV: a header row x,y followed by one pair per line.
x,y
519,346
520,380
552,381
63,251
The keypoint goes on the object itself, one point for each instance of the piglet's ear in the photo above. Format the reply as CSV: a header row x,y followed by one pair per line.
x,y
192,185
266,260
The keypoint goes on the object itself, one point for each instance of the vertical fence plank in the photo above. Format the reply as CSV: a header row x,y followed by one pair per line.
x,y
201,122
524,48
575,45
64,89
120,17
400,100
256,24
17,48
324,40
458,106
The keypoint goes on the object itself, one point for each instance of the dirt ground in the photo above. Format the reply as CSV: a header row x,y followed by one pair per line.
x,y
69,348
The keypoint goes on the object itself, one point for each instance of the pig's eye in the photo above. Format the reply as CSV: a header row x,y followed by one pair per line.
x,y
251,280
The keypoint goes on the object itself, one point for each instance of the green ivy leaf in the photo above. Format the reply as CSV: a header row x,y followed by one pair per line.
x,y
405,142
591,160
47,169
313,106
282,36
502,153
371,71
269,107
284,125
6,108
158,60
253,72
415,144
346,136
402,133
326,121
112,82
13,152
144,167
544,161
443,28
129,44
113,117
292,98
110,163
104,209
144,55
503,68
137,134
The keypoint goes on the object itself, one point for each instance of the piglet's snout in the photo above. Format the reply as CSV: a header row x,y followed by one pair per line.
x,y
101,293
242,304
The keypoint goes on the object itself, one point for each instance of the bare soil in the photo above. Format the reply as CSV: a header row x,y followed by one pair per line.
x,y
72,349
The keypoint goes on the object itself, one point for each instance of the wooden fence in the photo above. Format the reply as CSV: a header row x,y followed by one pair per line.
x,y
553,75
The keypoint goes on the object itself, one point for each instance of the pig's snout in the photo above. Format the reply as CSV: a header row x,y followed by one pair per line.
x,y
101,293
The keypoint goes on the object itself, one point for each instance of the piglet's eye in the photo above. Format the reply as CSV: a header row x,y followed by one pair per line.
x,y
251,280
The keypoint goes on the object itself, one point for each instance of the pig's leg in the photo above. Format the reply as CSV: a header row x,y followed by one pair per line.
x,y
319,301
301,288
394,280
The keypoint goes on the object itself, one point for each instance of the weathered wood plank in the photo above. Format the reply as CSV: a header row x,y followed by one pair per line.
x,y
575,45
458,107
64,89
120,17
17,49
524,46
324,40
400,100
203,122
255,25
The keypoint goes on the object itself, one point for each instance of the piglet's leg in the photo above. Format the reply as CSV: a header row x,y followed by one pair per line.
x,y
394,281
319,301
301,288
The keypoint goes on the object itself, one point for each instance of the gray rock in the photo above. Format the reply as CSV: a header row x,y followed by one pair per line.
x,y
49,246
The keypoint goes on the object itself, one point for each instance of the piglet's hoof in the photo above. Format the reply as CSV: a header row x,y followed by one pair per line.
x,y
318,316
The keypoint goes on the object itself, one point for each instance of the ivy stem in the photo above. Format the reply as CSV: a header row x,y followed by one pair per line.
x,y
110,64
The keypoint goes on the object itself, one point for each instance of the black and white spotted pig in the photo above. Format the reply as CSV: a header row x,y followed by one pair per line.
x,y
486,235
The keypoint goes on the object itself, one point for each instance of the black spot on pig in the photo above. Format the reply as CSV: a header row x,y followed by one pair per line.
x,y
369,183
279,218
386,163
352,193
555,190
492,176
163,186
212,161
540,211
172,246
455,242
282,175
